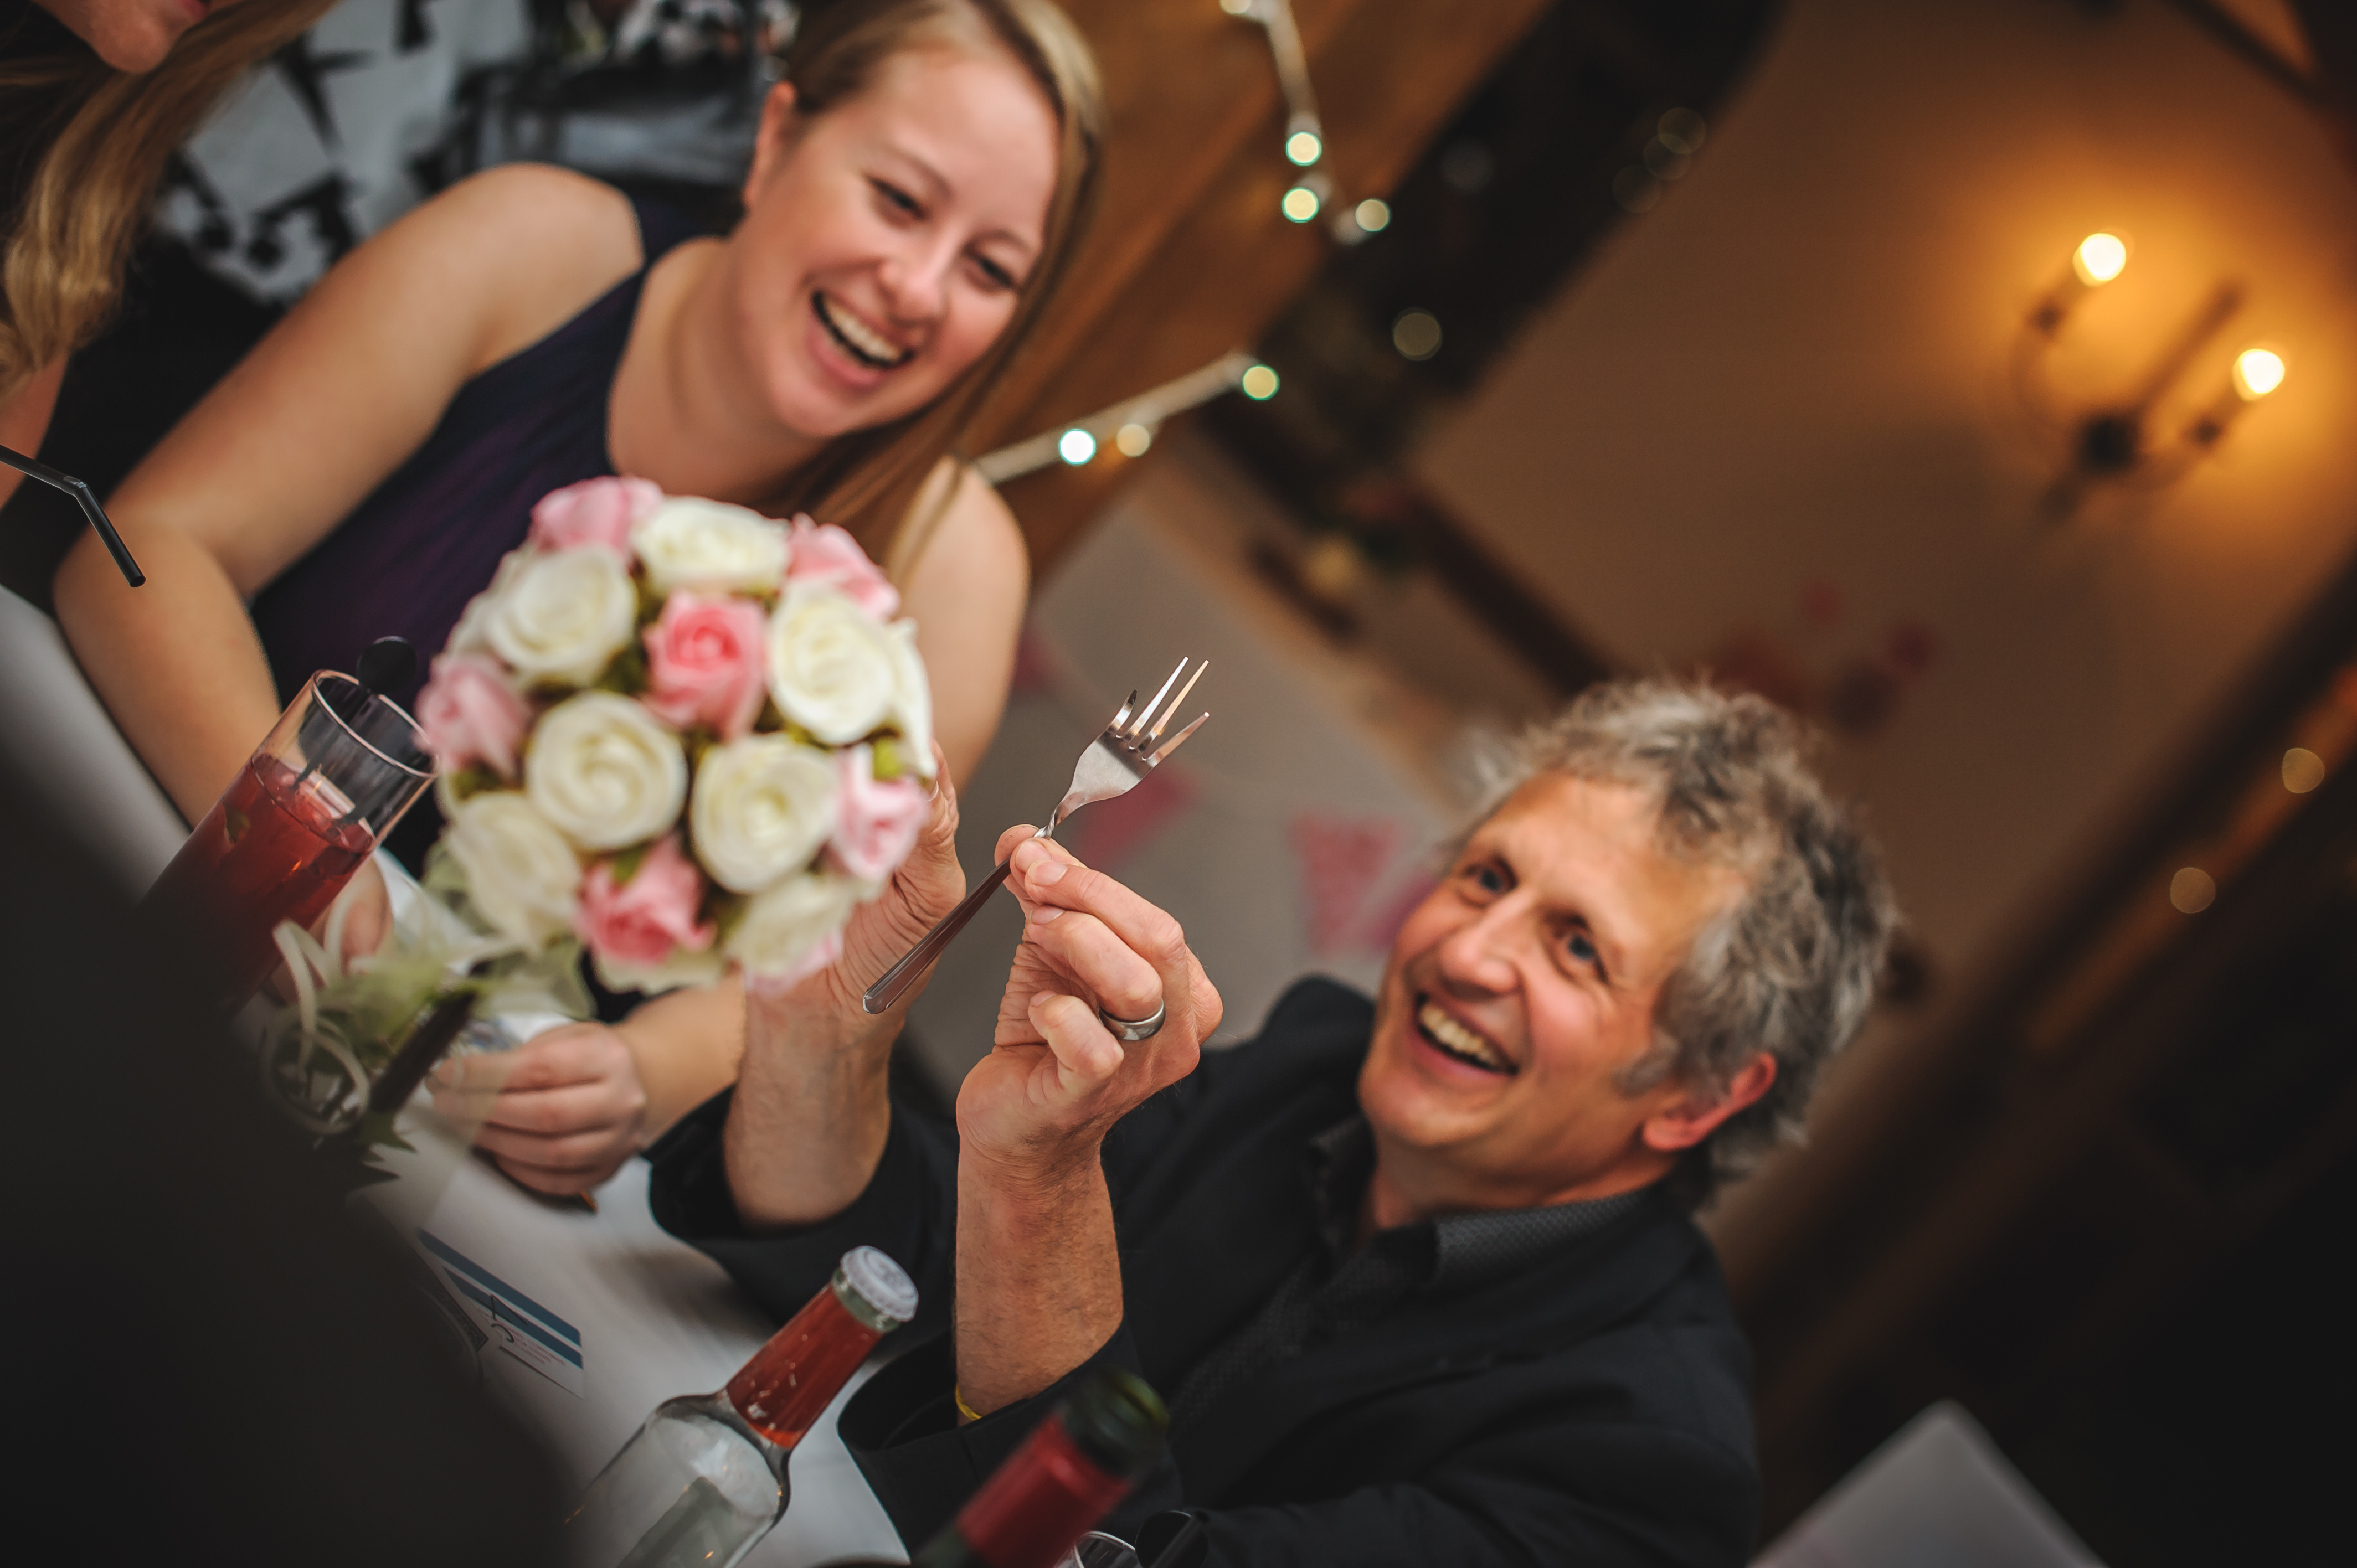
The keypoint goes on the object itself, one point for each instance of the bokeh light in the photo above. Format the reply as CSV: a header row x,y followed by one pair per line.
x,y
1416,334
1259,383
1133,439
1300,204
1373,216
1303,147
1075,446
2192,891
2302,770
2257,371
2099,258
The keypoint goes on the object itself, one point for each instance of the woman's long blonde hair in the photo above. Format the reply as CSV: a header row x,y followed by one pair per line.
x,y
88,199
870,481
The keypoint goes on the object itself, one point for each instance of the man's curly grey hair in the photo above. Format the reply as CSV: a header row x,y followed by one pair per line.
x,y
1790,968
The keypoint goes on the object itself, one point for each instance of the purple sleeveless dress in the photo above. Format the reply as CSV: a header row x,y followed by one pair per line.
x,y
426,540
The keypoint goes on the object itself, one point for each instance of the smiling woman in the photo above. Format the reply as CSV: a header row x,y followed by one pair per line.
x,y
918,182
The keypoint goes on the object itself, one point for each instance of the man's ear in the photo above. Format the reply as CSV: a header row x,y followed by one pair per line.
x,y
1690,1119
780,126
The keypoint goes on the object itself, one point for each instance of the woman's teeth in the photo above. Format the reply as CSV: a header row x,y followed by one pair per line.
x,y
868,347
1459,1041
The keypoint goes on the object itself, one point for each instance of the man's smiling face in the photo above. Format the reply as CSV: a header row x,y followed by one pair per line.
x,y
1519,989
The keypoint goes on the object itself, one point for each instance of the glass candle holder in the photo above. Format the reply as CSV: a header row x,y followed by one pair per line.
x,y
307,811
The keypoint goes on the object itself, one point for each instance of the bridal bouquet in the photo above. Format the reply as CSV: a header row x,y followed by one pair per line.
x,y
681,734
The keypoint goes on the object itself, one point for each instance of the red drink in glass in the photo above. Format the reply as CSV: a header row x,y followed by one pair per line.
x,y
275,847
308,807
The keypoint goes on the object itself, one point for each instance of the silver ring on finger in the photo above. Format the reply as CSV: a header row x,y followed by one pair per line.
x,y
1134,1029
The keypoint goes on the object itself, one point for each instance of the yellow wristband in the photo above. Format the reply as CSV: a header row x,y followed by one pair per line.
x,y
965,1410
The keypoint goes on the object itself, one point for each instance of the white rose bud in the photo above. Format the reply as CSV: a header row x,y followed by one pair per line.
x,y
784,927
763,807
605,772
830,664
521,876
912,700
472,634
681,968
695,544
562,615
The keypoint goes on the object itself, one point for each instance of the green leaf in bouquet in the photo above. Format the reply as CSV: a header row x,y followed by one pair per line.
x,y
883,758
650,598
722,910
472,780
625,673
625,864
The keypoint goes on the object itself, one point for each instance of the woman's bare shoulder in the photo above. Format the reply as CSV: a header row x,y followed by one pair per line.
x,y
977,534
526,244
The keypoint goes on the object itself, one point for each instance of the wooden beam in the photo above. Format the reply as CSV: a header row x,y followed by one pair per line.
x,y
1191,256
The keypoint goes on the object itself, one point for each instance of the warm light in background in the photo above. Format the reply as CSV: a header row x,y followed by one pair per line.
x,y
1259,383
1303,147
1076,446
2099,258
1236,7
2257,371
1133,439
1416,334
1373,216
2192,891
2302,770
1301,204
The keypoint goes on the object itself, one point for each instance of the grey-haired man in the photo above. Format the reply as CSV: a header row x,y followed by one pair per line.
x,y
1417,1274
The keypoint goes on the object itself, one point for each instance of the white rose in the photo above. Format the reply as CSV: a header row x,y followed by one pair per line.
x,y
471,633
763,807
562,615
697,543
521,876
783,927
681,968
912,700
605,772
830,664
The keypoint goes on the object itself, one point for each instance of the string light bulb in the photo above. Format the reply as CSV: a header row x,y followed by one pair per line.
x,y
1134,440
1236,7
2257,371
1374,216
1259,383
1300,204
1303,147
1076,446
2099,258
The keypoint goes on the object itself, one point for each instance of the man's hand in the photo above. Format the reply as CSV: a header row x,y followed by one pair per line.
x,y
812,1111
1057,1080
1038,1267
561,1112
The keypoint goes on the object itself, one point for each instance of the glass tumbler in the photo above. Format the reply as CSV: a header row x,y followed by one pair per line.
x,y
309,807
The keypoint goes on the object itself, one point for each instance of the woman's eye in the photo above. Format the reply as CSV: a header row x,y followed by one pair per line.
x,y
998,276
1584,951
895,197
1488,878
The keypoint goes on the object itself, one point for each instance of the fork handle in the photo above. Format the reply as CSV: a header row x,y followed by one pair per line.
x,y
897,979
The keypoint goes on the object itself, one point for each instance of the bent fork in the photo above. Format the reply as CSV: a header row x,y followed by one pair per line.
x,y
1113,764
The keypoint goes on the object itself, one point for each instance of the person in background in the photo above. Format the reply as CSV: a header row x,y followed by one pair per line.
x,y
1417,1273
918,182
95,97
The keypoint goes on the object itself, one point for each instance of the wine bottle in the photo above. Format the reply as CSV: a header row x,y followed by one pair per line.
x,y
1072,1468
705,1477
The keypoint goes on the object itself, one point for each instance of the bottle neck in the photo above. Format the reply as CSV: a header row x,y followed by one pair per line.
x,y
1043,1499
791,1381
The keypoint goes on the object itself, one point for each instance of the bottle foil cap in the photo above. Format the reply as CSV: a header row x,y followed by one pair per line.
x,y
871,1280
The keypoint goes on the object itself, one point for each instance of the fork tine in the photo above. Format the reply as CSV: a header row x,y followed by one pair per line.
x,y
1173,744
1139,723
1178,702
1121,714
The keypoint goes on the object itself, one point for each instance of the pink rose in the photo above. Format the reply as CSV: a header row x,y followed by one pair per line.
x,y
469,714
707,663
595,511
876,820
826,555
639,922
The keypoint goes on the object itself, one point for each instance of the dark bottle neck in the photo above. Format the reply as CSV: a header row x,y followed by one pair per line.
x,y
1044,1497
791,1381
